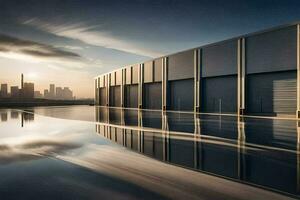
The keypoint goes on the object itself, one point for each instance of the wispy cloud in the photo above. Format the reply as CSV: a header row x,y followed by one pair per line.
x,y
30,51
91,36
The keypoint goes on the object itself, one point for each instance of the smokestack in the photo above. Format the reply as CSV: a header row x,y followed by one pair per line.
x,y
22,81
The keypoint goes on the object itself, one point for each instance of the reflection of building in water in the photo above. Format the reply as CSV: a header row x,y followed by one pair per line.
x,y
257,151
3,116
14,114
27,116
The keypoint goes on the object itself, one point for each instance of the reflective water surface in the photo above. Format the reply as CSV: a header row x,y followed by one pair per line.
x,y
84,152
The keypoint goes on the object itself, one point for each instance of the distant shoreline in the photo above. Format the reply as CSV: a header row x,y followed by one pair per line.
x,y
10,102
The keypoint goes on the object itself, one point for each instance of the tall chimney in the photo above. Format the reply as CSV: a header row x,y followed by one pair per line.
x,y
22,81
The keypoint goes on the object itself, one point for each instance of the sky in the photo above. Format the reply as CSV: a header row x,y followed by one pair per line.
x,y
69,42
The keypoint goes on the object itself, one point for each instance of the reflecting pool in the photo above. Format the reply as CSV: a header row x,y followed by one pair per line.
x,y
85,152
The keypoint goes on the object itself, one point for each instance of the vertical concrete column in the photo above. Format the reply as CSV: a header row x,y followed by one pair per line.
x,y
197,63
122,87
298,72
98,90
96,93
141,82
164,82
241,76
107,84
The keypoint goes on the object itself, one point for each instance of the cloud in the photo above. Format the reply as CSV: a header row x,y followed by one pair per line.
x,y
91,36
19,49
12,44
33,150
71,47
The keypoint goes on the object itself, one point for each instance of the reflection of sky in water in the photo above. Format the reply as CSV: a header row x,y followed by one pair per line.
x,y
54,158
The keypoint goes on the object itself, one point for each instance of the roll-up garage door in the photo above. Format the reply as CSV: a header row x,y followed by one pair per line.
x,y
131,96
181,94
219,94
272,93
115,96
102,96
152,96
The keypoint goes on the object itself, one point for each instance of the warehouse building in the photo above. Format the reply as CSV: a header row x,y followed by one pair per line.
x,y
254,74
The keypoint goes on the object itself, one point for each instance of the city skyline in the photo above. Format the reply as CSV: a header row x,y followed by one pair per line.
x,y
26,89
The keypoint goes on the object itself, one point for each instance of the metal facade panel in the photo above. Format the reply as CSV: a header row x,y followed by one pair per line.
x,y
112,78
135,74
181,65
272,93
128,75
152,96
220,59
157,70
148,72
101,81
119,77
131,96
181,94
272,51
115,96
219,94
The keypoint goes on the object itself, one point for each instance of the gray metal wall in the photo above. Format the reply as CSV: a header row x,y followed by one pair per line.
x,y
219,77
220,59
152,87
157,70
219,94
181,65
272,93
272,51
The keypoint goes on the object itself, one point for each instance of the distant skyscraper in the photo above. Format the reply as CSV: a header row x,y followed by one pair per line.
x,y
52,91
14,92
46,94
28,90
4,92
38,94
67,94
59,93
22,81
